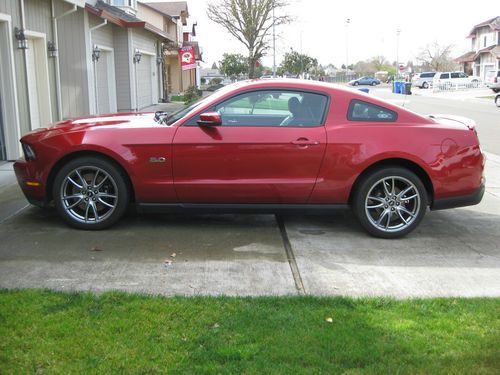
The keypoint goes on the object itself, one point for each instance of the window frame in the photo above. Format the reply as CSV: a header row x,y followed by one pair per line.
x,y
191,121
353,102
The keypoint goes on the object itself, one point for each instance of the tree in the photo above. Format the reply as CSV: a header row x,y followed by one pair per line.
x,y
437,57
379,62
250,22
297,63
233,64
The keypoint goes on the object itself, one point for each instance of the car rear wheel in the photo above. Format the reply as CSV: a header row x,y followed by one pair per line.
x,y
390,202
496,90
356,83
497,100
90,193
374,83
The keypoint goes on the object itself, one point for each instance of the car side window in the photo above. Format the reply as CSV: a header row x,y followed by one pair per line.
x,y
463,75
274,108
364,111
444,76
455,75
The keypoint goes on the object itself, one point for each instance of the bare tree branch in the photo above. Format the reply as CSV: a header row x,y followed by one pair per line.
x,y
250,22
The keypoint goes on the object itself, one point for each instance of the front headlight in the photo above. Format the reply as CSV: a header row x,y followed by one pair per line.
x,y
29,153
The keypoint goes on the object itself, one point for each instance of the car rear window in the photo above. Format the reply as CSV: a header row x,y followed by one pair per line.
x,y
427,75
364,111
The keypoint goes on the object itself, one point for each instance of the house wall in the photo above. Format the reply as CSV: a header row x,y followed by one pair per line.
x,y
490,38
38,18
73,65
122,68
149,15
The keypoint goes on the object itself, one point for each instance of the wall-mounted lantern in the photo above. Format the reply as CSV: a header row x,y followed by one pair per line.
x,y
22,42
159,60
96,53
137,56
52,49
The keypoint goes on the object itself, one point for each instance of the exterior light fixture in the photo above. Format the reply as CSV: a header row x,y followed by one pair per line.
x,y
159,60
137,56
51,47
22,42
96,53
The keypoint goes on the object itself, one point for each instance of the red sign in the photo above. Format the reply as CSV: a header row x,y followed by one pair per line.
x,y
188,60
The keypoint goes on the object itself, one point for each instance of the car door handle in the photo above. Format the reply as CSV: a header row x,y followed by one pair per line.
x,y
305,142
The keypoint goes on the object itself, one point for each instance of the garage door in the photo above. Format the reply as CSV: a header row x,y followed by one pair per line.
x,y
3,155
105,85
144,82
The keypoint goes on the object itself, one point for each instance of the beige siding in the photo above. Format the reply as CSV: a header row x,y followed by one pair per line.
x,y
122,69
38,18
144,41
150,16
12,8
73,65
102,36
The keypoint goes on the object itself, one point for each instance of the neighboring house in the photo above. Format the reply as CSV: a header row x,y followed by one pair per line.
x,y
178,80
485,49
68,58
208,74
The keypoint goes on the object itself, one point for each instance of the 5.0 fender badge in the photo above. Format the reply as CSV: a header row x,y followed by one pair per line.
x,y
160,159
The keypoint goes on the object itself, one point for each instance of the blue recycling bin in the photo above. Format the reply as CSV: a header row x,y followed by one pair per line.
x,y
398,87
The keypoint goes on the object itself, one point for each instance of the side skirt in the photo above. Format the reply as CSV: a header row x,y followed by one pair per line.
x,y
303,209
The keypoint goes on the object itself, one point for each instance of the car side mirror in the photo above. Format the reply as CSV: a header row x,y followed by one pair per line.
x,y
210,119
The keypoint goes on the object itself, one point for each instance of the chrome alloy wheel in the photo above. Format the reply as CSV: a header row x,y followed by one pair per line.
x,y
89,194
392,204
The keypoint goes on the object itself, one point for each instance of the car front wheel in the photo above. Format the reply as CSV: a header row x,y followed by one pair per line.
x,y
390,202
497,100
90,193
425,85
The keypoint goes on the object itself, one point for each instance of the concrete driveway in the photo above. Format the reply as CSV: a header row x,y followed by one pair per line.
x,y
452,253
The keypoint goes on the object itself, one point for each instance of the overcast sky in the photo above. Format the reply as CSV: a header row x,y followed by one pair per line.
x,y
319,28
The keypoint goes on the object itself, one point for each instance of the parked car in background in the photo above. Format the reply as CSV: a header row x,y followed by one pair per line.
x,y
424,80
268,146
492,80
449,80
365,81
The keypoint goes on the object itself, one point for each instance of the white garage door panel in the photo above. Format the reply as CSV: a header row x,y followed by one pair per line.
x,y
144,82
103,84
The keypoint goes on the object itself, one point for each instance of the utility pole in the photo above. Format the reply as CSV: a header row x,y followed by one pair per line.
x,y
398,31
274,46
347,22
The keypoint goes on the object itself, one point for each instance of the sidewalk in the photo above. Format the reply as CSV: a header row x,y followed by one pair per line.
x,y
463,95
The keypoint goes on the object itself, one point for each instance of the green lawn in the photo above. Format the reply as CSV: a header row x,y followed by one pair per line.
x,y
58,333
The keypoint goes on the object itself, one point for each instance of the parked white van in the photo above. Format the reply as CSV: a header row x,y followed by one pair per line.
x,y
453,80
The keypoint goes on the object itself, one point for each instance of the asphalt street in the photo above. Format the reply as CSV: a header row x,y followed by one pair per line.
x,y
453,253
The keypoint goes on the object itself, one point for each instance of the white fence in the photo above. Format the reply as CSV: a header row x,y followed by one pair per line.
x,y
449,85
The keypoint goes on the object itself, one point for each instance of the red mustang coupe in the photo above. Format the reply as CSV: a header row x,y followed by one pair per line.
x,y
258,146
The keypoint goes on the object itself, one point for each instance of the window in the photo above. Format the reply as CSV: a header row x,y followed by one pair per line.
x,y
444,76
455,75
484,41
274,108
427,75
363,111
463,75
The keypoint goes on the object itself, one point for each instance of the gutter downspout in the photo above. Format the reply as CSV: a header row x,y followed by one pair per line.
x,y
25,54
104,23
57,62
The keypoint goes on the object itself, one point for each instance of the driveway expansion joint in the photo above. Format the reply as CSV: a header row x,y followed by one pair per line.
x,y
301,290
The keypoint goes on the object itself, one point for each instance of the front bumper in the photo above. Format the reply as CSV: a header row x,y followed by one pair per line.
x,y
31,183
460,201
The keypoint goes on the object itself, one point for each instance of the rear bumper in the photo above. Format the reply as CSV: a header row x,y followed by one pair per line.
x,y
460,201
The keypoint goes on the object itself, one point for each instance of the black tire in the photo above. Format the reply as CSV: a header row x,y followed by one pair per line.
x,y
98,201
497,100
425,85
496,90
375,182
356,83
374,83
